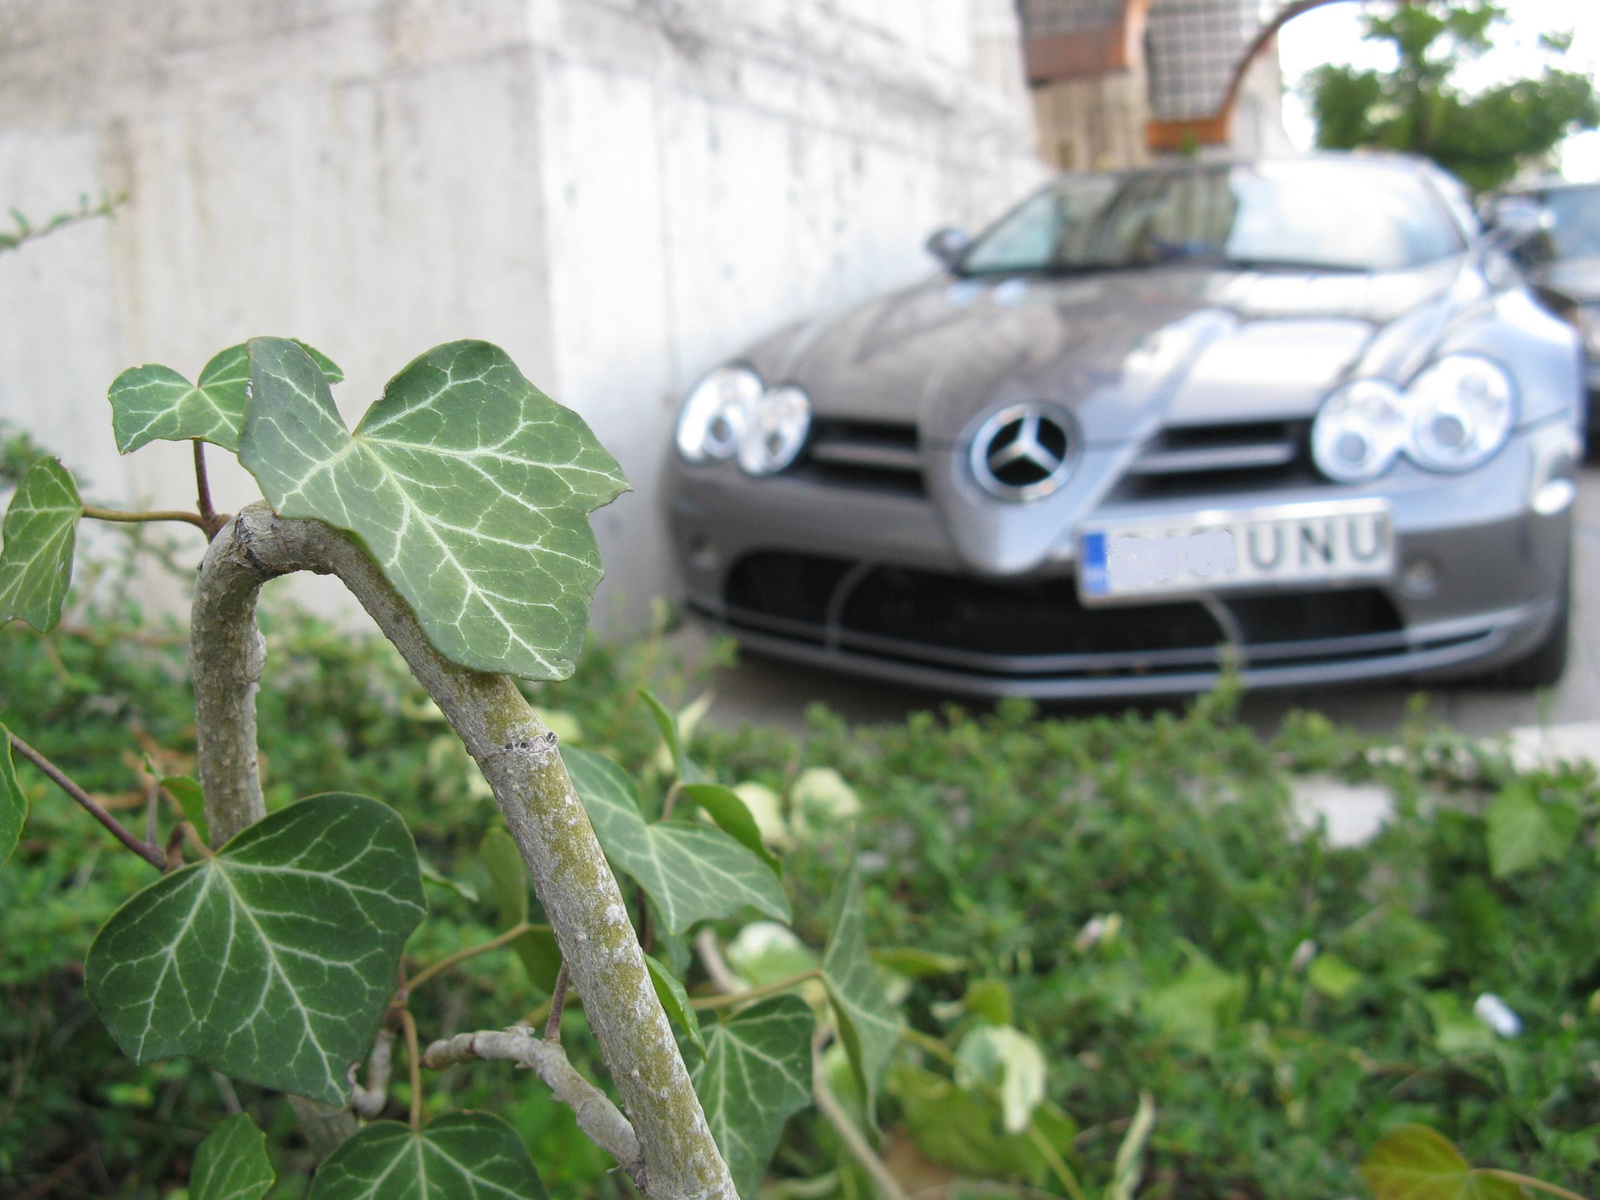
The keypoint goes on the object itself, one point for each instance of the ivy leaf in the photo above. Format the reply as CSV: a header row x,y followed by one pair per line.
x,y
13,801
675,1000
37,541
459,1156
469,487
153,402
668,724
540,955
232,1163
757,1073
1414,1162
869,1027
692,873
186,791
272,962
1524,830
732,815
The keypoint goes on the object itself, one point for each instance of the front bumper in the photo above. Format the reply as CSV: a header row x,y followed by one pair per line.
x,y
870,584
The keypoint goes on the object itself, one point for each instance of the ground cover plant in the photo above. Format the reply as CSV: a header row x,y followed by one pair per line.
x,y
991,954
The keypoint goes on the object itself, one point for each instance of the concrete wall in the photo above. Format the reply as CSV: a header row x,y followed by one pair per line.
x,y
619,192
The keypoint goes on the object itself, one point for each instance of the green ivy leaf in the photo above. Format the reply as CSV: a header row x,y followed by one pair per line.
x,y
1414,1162
757,1073
675,999
153,402
691,872
459,1156
13,800
868,1023
965,1129
469,487
232,1163
540,955
668,724
37,541
1333,977
1198,1004
1524,830
732,815
1009,1061
186,791
274,961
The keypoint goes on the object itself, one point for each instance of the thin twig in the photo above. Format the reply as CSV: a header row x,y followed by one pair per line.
x,y
828,1105
151,811
229,1097
370,1101
597,1116
168,514
151,854
414,1058
494,943
558,1003
723,999
1521,1180
210,521
705,945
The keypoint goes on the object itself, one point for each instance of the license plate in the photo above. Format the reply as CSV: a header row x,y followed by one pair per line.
x,y
1334,542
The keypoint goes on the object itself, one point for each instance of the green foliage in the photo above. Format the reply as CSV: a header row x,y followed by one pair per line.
x,y
37,541
13,802
232,1163
675,1000
756,1074
1483,138
274,960
868,1023
1415,1163
690,872
155,402
461,1156
1525,829
469,487
27,231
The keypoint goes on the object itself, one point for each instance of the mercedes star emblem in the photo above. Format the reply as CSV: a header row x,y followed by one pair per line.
x,y
1022,452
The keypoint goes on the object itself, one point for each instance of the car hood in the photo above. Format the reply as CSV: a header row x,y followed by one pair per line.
x,y
1577,279
1122,351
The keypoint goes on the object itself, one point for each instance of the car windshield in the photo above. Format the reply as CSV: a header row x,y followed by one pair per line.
x,y
1336,216
1575,231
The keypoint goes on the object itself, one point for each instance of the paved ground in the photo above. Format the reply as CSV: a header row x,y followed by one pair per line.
x,y
766,692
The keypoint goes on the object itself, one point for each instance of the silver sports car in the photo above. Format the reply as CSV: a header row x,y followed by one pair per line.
x,y
1306,409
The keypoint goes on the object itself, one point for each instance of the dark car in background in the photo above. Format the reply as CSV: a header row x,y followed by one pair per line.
x,y
1307,409
1562,261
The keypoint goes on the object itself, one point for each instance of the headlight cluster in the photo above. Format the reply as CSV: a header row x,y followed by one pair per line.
x,y
1455,414
730,413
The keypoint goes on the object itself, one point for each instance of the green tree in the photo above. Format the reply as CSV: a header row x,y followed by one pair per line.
x,y
1484,138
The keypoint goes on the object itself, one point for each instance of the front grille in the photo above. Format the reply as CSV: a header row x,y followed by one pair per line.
x,y
870,455
1039,626
1197,460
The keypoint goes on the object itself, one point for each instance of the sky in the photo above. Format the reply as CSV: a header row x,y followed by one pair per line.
x,y
1333,34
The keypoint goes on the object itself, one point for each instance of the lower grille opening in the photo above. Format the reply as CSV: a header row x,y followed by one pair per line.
x,y
1355,612
789,587
1036,618
1038,627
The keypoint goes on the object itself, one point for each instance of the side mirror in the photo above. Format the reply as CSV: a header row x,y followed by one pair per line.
x,y
1515,220
948,244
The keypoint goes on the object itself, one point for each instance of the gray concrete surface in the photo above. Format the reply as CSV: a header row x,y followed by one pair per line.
x,y
762,691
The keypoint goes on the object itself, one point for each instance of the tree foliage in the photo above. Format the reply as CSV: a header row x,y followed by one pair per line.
x,y
1485,137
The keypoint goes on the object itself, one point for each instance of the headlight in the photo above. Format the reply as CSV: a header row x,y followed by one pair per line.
x,y
1462,410
1359,431
717,413
730,413
780,420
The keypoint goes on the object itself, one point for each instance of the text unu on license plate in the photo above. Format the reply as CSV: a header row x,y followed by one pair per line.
x,y
1241,549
